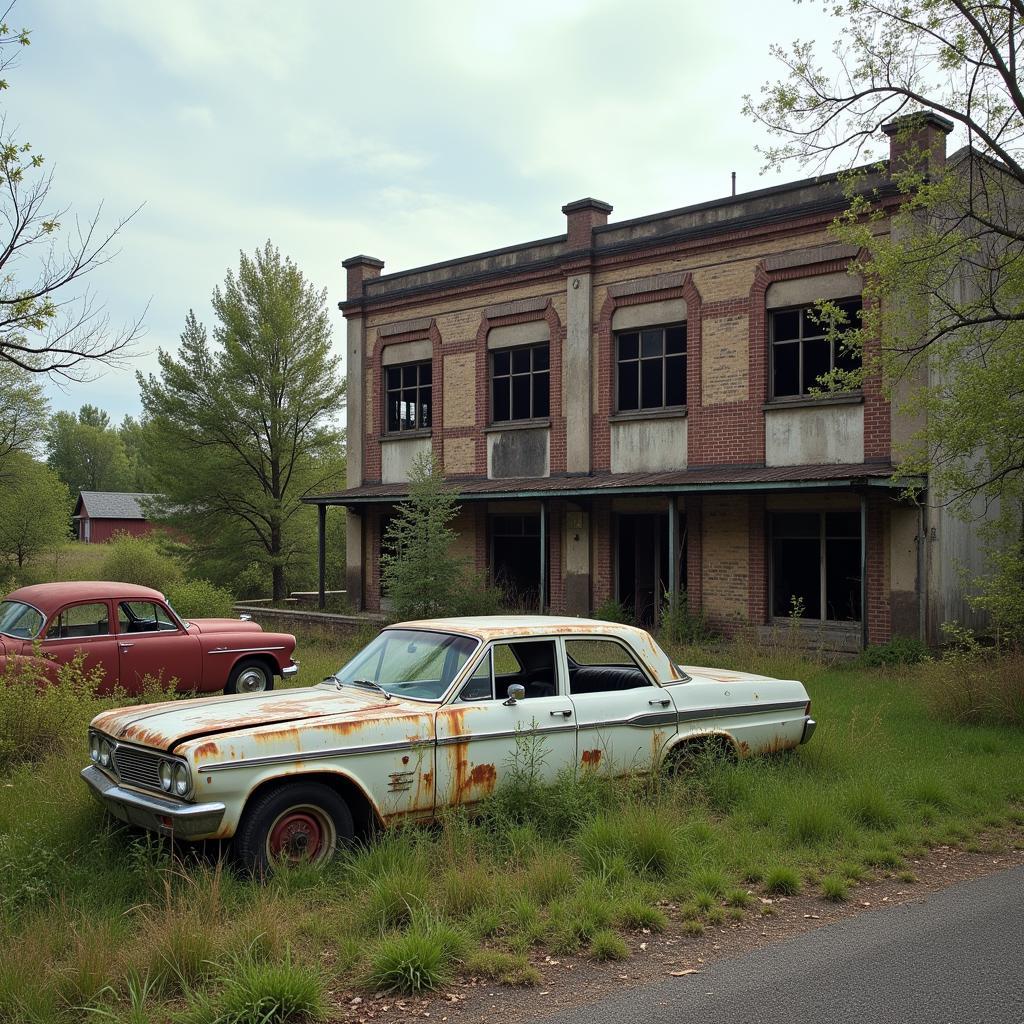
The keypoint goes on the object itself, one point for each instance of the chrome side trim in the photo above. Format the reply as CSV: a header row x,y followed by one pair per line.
x,y
243,650
313,755
809,726
740,710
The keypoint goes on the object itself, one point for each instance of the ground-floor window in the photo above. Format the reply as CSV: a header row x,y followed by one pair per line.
x,y
642,563
816,565
515,557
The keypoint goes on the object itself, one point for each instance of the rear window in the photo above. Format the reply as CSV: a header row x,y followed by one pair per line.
x,y
20,620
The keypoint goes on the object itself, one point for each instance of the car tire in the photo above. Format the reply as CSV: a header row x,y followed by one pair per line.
x,y
297,823
250,675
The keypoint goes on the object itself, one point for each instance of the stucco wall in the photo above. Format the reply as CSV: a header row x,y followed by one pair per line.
x,y
800,437
649,445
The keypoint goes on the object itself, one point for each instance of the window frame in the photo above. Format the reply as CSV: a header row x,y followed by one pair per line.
x,y
54,622
801,309
823,537
419,387
179,628
640,358
510,377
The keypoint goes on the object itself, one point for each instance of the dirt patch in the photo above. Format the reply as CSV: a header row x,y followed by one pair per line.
x,y
570,981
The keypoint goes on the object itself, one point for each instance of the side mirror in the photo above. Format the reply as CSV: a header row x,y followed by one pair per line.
x,y
516,693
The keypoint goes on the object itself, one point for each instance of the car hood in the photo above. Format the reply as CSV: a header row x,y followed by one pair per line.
x,y
168,724
224,626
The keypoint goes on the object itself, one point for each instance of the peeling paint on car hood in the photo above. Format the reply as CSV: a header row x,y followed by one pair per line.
x,y
167,724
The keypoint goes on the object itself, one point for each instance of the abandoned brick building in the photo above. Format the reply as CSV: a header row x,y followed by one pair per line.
x,y
624,410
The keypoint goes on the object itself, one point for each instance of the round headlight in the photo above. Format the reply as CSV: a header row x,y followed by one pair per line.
x,y
181,779
94,747
106,752
166,771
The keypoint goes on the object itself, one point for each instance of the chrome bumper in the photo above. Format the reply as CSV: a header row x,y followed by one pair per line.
x,y
809,726
289,670
156,813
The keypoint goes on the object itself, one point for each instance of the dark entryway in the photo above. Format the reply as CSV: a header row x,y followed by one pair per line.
x,y
642,564
515,558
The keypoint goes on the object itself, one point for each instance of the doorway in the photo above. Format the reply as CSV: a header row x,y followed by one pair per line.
x,y
515,558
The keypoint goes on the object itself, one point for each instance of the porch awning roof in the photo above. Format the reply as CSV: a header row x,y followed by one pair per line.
x,y
708,479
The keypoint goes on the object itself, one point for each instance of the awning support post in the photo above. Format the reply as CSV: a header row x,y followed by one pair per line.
x,y
673,558
321,556
863,571
543,555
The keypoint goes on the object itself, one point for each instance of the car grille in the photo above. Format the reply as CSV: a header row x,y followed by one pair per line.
x,y
137,767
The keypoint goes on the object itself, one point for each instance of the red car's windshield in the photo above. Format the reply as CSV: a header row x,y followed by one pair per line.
x,y
20,620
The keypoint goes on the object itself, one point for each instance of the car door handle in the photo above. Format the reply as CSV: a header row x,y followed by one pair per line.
x,y
564,714
664,703
124,647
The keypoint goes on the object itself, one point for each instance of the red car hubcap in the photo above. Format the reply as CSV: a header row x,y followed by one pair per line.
x,y
297,836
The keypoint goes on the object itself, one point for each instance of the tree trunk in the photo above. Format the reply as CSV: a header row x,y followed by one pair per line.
x,y
277,569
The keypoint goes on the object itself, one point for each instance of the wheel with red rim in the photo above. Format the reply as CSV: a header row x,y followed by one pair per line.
x,y
298,823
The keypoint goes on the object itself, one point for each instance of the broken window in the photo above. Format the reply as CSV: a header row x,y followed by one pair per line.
x,y
519,383
651,368
409,396
800,351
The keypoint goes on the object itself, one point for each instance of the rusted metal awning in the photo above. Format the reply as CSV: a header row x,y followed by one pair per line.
x,y
713,479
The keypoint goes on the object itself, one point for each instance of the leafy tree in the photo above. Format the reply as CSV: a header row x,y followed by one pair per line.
x,y
419,572
23,410
240,432
86,452
133,438
49,323
944,284
35,510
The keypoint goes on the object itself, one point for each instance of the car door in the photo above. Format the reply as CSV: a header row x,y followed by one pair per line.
x,y
623,719
84,629
153,646
485,738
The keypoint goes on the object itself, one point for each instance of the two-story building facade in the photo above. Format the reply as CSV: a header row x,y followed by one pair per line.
x,y
626,409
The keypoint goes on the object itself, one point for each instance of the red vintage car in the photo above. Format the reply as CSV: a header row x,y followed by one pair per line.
x,y
134,634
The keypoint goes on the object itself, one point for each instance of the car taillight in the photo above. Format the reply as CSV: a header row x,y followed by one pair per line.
x,y
807,710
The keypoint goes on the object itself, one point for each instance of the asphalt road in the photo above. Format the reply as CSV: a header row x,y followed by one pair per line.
x,y
956,958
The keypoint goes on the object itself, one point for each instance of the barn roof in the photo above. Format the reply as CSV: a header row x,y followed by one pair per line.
x,y
111,504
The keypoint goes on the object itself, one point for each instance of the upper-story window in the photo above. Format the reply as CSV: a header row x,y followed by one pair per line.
x,y
409,397
651,368
520,383
801,353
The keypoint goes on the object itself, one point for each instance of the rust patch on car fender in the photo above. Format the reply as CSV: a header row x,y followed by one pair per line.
x,y
591,758
208,748
778,744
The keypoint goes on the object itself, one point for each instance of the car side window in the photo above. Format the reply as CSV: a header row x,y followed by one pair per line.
x,y
80,620
531,663
601,665
143,617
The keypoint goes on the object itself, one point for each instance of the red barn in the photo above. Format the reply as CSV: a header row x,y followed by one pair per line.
x,y
102,514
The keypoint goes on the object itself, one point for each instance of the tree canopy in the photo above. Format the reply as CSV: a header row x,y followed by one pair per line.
x,y
35,510
944,263
86,452
23,410
239,431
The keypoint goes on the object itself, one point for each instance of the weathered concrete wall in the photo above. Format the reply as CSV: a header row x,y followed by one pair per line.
x,y
649,445
903,583
523,452
576,359
825,434
397,455
576,560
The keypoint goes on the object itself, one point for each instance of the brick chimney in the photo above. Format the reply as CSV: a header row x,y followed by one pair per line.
x,y
916,138
360,269
582,217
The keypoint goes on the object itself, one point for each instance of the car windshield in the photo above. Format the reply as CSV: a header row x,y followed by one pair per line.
x,y
409,663
20,620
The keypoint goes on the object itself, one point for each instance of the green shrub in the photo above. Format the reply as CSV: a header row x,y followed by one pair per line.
x,y
506,968
139,560
901,650
680,626
614,611
978,689
200,599
782,881
835,888
608,945
417,960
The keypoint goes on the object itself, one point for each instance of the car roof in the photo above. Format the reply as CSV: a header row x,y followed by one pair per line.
x,y
48,597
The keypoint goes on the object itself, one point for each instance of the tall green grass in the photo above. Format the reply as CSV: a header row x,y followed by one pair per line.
x,y
98,922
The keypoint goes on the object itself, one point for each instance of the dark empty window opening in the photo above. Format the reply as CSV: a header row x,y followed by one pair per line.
x,y
409,397
515,558
815,568
519,383
801,352
642,563
651,368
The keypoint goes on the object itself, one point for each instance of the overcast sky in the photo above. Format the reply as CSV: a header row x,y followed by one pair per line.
x,y
413,132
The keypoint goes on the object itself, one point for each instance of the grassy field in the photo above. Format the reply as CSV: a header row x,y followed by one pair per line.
x,y
96,921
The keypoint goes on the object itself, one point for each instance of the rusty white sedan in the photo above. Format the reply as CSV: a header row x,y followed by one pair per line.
x,y
429,715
